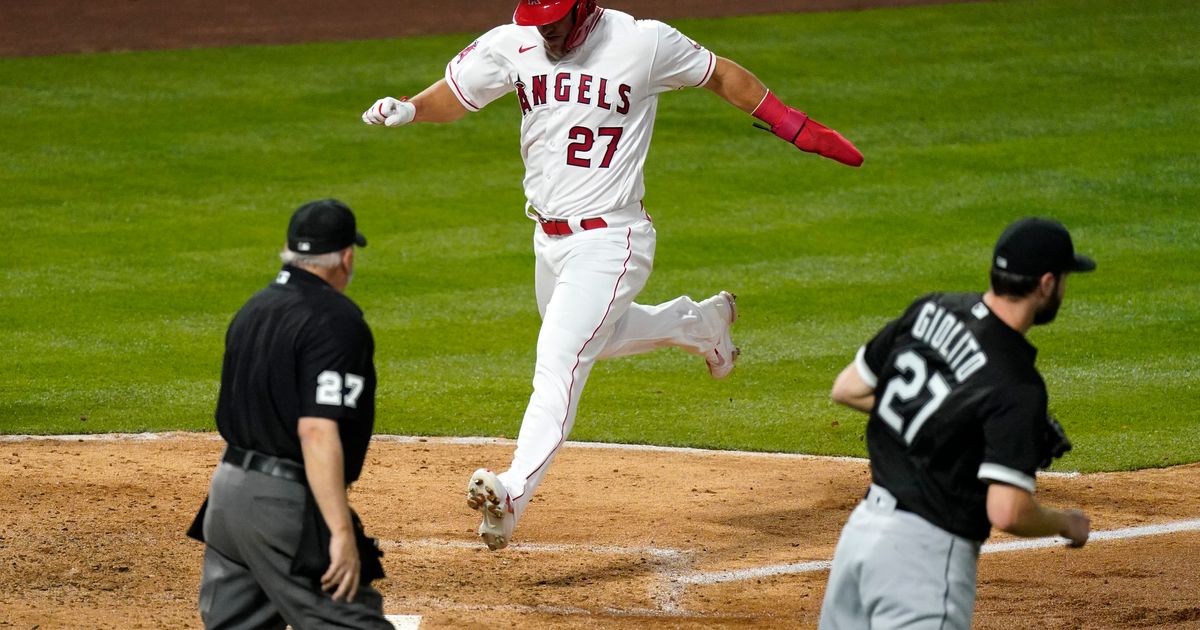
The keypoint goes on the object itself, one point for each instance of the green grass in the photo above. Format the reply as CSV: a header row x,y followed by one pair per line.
x,y
145,197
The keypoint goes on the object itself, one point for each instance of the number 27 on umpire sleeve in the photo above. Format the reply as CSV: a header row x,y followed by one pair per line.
x,y
330,387
913,366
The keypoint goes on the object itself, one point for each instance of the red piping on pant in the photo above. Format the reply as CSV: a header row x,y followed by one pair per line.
x,y
570,390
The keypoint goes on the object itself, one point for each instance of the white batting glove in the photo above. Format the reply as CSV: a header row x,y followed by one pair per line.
x,y
390,112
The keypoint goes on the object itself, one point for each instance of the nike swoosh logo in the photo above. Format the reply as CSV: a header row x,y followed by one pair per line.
x,y
525,49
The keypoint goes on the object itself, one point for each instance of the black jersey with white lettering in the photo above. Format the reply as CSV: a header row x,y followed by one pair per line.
x,y
958,404
298,348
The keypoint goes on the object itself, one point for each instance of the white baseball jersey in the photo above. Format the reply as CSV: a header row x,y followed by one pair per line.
x,y
587,119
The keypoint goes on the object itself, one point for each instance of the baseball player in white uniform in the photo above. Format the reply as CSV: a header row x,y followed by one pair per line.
x,y
587,82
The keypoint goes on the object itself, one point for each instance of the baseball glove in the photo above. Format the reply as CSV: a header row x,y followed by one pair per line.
x,y
1055,442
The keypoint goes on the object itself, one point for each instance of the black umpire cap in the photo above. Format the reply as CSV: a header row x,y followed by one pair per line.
x,y
1034,246
320,227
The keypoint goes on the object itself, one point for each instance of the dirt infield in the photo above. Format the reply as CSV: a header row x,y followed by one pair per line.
x,y
91,535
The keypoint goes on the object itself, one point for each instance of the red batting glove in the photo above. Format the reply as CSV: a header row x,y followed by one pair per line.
x,y
796,127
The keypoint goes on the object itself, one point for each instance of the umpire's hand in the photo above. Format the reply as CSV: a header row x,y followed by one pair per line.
x,y
343,573
323,467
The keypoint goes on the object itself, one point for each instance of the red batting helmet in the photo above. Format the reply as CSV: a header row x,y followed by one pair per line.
x,y
542,12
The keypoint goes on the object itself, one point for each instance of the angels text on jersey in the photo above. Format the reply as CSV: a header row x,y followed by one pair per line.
x,y
577,87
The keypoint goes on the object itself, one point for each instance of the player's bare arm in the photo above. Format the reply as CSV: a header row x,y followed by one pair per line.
x,y
736,85
1015,511
851,390
435,104
323,467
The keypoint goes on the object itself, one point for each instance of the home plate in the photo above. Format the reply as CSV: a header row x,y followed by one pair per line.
x,y
404,622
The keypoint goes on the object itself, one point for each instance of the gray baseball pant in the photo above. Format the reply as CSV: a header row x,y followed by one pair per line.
x,y
252,529
893,570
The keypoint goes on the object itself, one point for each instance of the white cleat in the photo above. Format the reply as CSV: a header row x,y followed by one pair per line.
x,y
722,358
486,494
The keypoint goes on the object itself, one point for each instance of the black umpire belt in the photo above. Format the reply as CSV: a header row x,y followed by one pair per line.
x,y
266,464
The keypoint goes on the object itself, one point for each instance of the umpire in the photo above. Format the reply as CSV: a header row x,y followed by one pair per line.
x,y
958,428
297,408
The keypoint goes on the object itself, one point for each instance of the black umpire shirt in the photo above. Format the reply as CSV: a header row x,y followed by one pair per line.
x,y
958,404
298,348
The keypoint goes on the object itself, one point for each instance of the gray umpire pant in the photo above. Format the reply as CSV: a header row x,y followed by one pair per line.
x,y
895,570
252,529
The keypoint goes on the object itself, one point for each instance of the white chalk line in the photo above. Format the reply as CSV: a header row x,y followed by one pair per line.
x,y
102,437
452,441
548,609
667,566
657,552
673,568
676,581
1140,531
485,441
739,575
717,577
673,578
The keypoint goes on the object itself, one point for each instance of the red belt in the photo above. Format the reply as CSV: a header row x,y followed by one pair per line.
x,y
561,227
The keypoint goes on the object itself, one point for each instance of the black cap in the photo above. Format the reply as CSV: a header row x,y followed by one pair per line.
x,y
1034,246
324,226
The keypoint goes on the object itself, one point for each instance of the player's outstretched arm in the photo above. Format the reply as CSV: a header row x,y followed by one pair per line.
x,y
435,104
1014,510
736,85
744,91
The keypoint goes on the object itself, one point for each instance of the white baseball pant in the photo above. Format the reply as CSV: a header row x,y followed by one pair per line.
x,y
586,283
